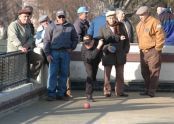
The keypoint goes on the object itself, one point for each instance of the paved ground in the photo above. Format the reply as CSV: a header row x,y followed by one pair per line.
x,y
132,110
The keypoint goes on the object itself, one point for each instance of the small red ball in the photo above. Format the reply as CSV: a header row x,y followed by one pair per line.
x,y
86,105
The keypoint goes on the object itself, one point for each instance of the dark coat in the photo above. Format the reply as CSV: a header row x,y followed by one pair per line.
x,y
122,47
90,55
81,27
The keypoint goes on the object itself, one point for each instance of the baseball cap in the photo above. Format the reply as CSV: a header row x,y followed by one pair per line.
x,y
82,9
60,12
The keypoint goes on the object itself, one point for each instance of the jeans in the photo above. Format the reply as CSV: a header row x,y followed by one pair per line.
x,y
58,72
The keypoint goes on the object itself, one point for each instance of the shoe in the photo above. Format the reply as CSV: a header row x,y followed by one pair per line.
x,y
151,95
144,94
62,98
34,81
68,95
90,98
147,94
107,95
123,95
51,98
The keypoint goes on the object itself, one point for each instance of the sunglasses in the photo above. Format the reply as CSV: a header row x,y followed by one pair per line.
x,y
61,16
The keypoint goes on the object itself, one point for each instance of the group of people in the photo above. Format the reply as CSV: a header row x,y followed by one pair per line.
x,y
106,38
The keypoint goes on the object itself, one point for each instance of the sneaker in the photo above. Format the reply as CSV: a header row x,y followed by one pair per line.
x,y
50,98
151,95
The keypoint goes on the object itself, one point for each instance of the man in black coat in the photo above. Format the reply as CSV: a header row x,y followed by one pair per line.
x,y
90,54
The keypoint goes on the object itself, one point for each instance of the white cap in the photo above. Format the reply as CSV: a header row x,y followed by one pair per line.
x,y
110,13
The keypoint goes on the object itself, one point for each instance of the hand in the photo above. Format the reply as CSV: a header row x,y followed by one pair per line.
x,y
49,58
122,37
24,50
26,46
69,50
100,43
40,45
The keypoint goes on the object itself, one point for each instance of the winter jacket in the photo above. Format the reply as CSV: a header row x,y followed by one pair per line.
x,y
81,27
95,25
150,34
167,21
122,47
60,37
19,35
90,55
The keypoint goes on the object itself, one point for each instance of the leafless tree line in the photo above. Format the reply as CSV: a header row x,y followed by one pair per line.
x,y
9,8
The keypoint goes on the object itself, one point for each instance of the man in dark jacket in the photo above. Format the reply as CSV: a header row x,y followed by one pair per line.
x,y
90,55
81,24
120,14
117,44
60,39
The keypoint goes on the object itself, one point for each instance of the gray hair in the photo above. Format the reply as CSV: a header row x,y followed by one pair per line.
x,y
118,10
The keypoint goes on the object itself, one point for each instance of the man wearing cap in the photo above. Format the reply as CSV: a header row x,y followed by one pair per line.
x,y
30,8
90,54
120,14
116,46
60,39
167,20
150,36
39,36
21,39
81,24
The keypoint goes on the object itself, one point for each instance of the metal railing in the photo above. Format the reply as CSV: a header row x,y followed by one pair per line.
x,y
13,69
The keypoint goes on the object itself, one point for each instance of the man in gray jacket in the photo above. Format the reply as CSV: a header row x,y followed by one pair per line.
x,y
60,39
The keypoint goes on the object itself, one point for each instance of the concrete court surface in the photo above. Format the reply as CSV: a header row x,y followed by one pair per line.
x,y
134,109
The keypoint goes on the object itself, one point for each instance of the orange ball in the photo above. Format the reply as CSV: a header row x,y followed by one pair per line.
x,y
86,105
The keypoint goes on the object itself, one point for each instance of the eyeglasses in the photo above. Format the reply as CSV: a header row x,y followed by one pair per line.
x,y
61,16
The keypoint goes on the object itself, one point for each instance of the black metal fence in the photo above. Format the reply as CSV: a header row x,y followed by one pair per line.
x,y
13,69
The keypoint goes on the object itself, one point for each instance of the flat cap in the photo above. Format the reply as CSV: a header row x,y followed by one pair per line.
x,y
110,13
43,18
60,12
24,11
142,10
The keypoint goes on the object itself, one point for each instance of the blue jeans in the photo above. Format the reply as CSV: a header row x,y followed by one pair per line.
x,y
57,73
